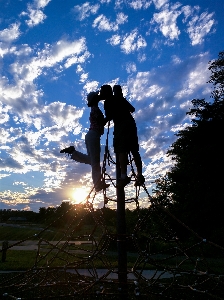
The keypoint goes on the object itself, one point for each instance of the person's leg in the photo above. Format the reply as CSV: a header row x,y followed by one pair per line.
x,y
80,157
138,161
124,179
76,155
93,150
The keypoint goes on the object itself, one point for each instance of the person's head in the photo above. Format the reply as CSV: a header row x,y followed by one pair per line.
x,y
92,98
105,91
117,90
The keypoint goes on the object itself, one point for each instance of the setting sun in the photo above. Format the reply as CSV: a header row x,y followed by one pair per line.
x,y
79,195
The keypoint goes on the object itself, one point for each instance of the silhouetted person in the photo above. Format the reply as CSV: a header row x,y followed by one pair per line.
x,y
92,141
118,109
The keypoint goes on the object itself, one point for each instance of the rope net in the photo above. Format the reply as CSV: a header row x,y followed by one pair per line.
x,y
159,265
83,265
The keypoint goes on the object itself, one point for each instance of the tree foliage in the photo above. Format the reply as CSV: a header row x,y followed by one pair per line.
x,y
217,77
194,185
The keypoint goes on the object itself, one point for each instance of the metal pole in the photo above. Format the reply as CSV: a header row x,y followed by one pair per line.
x,y
121,236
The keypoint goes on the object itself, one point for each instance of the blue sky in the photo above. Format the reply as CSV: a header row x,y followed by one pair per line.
x,y
52,53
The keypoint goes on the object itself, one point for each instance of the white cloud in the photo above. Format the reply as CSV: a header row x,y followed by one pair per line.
x,y
53,179
119,4
35,13
46,124
176,59
51,123
83,77
155,93
77,59
199,27
60,51
142,88
4,136
79,69
3,176
131,67
62,115
179,127
159,3
104,24
196,79
142,57
36,16
133,42
3,50
13,198
140,4
49,57
85,10
36,124
167,22
9,135
159,166
91,86
189,11
19,183
41,3
121,18
4,113
130,42
10,34
23,50
115,40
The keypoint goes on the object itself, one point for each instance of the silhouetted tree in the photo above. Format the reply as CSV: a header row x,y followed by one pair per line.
x,y
193,187
29,216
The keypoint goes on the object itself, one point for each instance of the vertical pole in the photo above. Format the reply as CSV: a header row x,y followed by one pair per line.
x,y
121,237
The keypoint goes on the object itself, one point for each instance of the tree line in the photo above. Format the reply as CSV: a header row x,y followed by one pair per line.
x,y
193,189
60,216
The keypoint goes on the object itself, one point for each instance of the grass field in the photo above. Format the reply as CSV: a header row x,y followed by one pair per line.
x,y
16,233
36,231
65,256
25,259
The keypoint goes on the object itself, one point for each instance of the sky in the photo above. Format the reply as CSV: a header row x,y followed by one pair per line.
x,y
53,53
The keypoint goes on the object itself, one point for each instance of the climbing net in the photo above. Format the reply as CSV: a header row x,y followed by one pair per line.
x,y
159,265
84,265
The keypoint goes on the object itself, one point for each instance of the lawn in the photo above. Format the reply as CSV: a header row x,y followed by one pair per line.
x,y
81,255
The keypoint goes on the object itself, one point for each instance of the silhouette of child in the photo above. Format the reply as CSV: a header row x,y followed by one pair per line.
x,y
118,109
92,141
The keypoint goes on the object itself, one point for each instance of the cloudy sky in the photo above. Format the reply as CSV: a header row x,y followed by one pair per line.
x,y
52,53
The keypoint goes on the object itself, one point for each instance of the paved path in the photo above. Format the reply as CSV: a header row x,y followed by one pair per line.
x,y
148,274
101,274
33,244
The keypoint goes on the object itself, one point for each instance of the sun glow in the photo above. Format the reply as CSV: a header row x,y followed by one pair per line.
x,y
79,195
